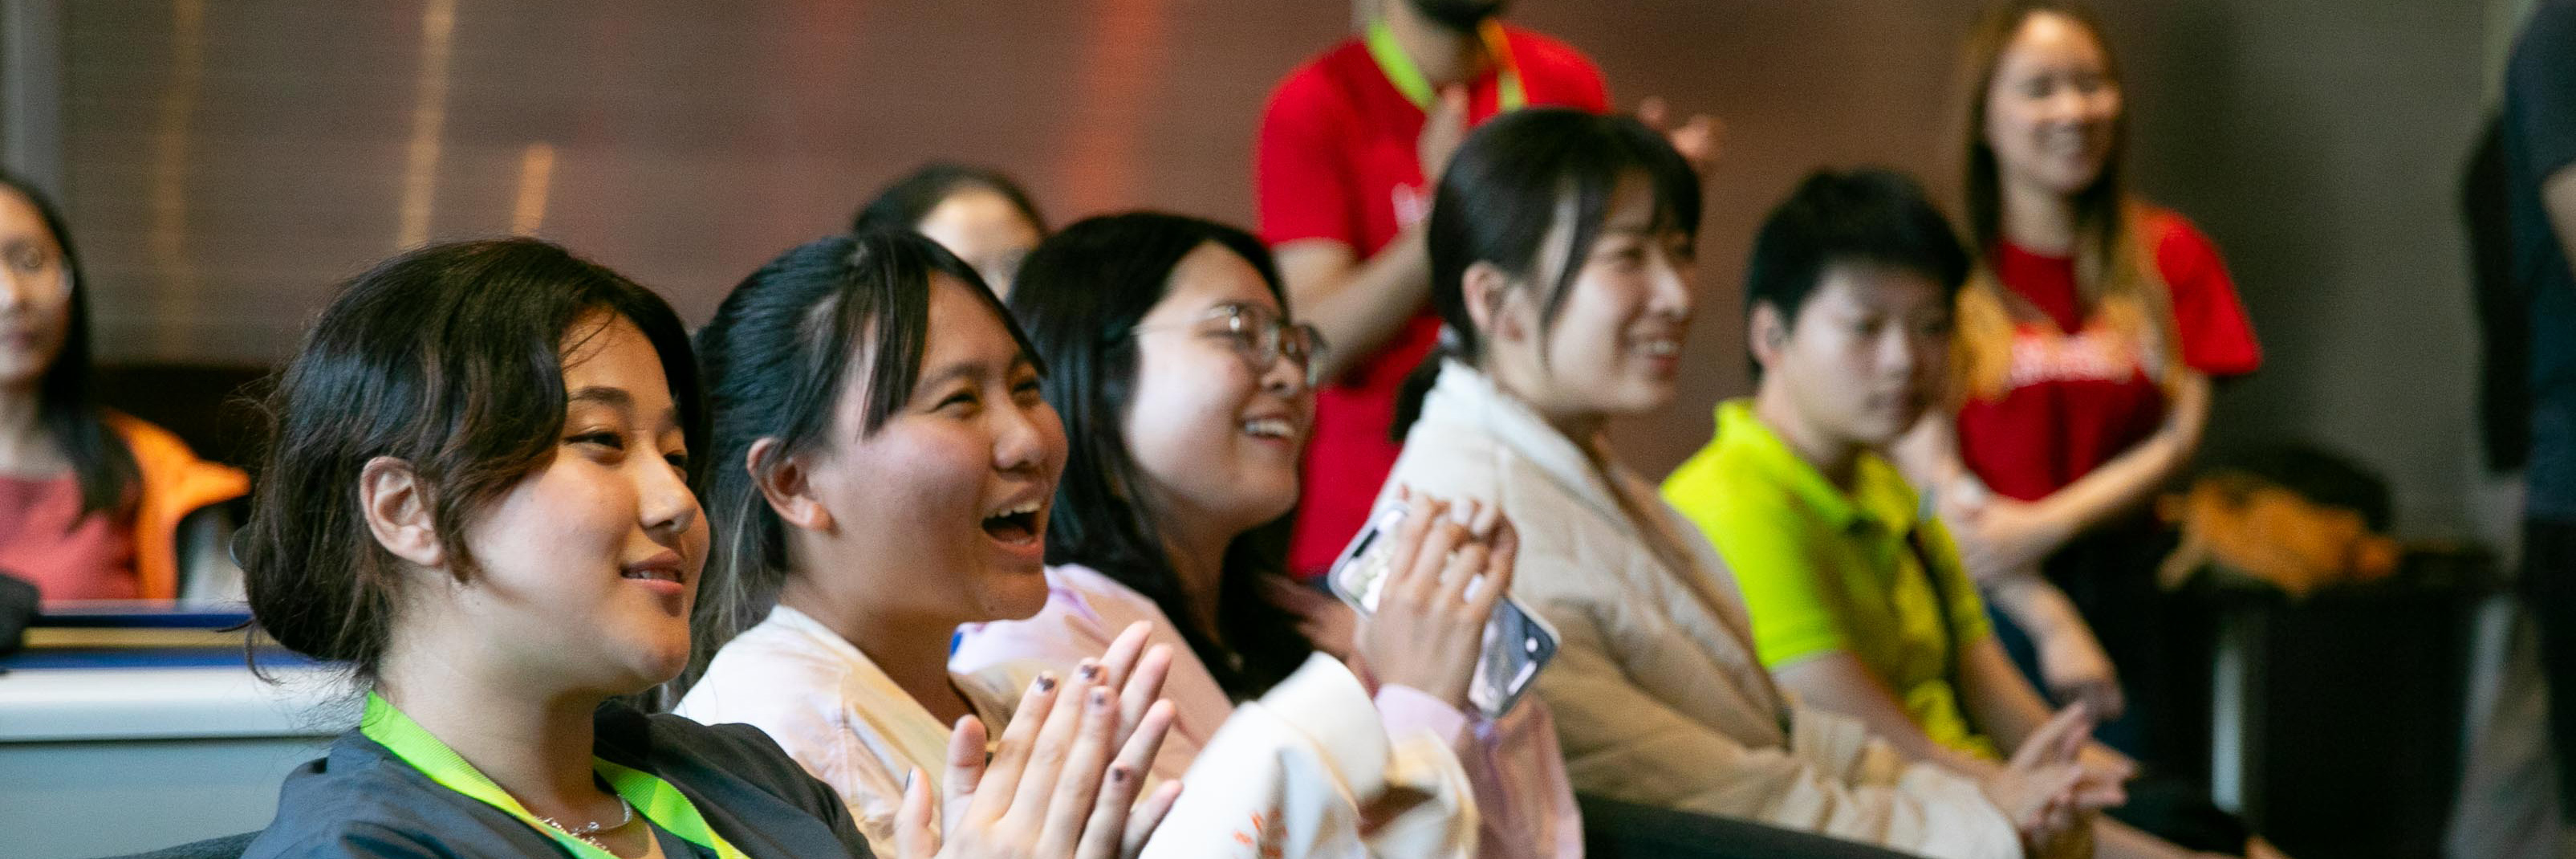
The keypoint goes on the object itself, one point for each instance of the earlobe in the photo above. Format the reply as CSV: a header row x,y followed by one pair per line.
x,y
399,512
786,484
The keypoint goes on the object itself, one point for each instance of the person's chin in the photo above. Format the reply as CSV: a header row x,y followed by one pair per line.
x,y
2073,177
1646,396
2055,174
1459,14
1270,493
664,667
1876,436
1016,594
16,369
1270,512
654,661
1883,429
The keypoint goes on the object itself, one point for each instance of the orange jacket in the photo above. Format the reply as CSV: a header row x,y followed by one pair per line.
x,y
174,484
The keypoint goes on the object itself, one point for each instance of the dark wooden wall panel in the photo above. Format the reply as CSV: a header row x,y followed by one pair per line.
x,y
227,162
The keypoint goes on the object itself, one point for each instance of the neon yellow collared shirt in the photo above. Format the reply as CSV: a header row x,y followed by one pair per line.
x,y
1824,571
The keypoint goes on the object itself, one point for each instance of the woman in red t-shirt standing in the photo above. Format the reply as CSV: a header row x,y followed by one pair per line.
x,y
2089,336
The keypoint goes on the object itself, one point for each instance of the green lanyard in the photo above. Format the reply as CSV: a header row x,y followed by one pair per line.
x,y
654,798
1407,77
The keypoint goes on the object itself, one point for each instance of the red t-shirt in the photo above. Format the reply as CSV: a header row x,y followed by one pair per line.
x,y
2080,393
45,540
1335,160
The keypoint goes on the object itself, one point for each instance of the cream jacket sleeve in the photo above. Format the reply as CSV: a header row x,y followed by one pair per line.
x,y
1268,786
1831,779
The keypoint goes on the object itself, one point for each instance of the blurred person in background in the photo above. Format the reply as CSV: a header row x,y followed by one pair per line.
x,y
94,504
2088,336
977,213
2539,142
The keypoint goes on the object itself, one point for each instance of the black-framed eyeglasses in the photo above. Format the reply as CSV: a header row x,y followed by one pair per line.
x,y
1260,337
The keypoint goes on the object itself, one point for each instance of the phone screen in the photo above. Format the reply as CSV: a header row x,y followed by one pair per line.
x,y
1517,643
1360,574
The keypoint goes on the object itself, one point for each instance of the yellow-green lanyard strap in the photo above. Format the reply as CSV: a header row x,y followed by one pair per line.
x,y
1401,71
654,798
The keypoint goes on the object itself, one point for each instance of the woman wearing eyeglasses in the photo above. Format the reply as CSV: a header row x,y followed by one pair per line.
x,y
94,503
1187,392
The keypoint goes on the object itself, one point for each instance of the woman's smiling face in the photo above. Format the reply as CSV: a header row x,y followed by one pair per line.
x,y
589,564
1215,430
948,499
2052,109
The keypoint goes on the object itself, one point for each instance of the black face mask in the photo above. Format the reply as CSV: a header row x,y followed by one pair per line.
x,y
1461,15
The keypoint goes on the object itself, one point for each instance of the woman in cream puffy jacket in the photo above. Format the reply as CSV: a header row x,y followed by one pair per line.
x,y
1560,251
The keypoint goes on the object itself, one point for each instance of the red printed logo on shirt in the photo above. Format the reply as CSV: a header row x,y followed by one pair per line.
x,y
2096,354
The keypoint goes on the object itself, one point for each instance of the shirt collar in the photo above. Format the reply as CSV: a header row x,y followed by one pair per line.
x,y
1880,496
1471,399
988,695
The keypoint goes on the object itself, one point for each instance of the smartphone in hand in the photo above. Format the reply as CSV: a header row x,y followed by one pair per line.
x,y
1517,642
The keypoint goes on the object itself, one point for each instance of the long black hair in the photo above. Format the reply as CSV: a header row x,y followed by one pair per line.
x,y
1500,197
1080,294
775,358
101,462
449,358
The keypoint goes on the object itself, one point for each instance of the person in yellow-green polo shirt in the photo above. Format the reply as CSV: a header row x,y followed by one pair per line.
x,y
1859,602
1831,569
1858,599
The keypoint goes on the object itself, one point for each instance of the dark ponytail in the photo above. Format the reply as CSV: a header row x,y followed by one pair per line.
x,y
1497,204
1418,384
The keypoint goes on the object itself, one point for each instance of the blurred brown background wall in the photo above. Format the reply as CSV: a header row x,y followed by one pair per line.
x,y
226,162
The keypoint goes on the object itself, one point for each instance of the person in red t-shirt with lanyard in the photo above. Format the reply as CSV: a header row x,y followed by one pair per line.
x,y
1342,168
2090,334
